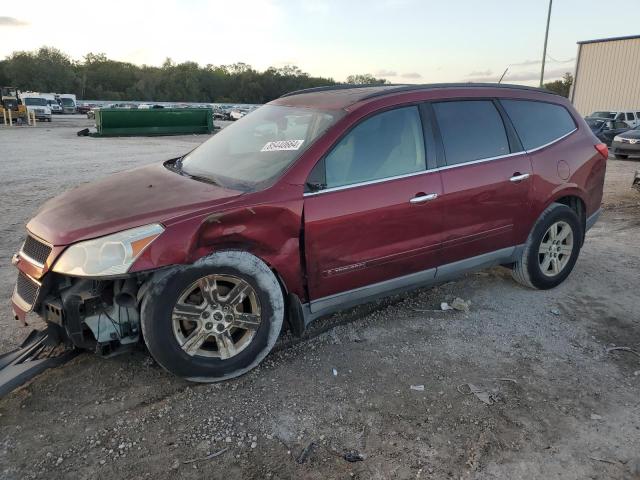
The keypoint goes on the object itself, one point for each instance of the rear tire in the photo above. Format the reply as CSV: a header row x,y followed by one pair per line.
x,y
206,335
620,156
551,250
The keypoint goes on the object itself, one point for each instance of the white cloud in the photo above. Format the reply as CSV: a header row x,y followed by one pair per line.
x,y
386,73
12,22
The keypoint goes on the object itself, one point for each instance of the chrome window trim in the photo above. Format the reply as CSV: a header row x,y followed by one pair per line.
x,y
446,167
552,141
368,182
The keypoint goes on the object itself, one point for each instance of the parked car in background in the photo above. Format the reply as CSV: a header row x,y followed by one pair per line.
x,y
318,201
55,107
626,144
84,108
238,113
606,129
37,104
222,112
632,118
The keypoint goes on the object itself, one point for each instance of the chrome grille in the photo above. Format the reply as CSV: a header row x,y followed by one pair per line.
x,y
27,289
36,250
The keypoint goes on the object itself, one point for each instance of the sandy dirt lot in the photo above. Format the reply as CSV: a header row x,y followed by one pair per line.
x,y
562,406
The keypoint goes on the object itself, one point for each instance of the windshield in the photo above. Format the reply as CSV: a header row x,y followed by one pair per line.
x,y
603,114
67,101
35,101
257,147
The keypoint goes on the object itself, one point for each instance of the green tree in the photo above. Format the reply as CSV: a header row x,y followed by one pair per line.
x,y
99,78
561,87
365,79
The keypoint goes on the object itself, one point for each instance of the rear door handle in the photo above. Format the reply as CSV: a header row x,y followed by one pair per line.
x,y
517,177
424,198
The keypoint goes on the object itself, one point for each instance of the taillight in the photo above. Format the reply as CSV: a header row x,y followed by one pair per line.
x,y
603,150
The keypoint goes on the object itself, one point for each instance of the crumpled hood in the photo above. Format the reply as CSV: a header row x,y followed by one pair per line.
x,y
125,200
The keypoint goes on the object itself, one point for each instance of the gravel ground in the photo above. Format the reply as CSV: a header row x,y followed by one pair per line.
x,y
561,405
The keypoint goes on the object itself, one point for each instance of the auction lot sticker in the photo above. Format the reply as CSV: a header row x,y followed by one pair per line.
x,y
282,145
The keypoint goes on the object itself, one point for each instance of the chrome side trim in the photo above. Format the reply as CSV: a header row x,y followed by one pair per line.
x,y
333,303
593,218
455,269
360,295
30,260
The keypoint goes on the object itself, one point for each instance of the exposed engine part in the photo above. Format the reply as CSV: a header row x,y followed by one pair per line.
x,y
126,294
98,315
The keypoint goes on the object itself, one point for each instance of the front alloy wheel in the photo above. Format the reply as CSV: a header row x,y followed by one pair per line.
x,y
216,316
215,319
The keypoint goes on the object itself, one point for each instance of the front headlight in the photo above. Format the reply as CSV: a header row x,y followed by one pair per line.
x,y
617,139
110,255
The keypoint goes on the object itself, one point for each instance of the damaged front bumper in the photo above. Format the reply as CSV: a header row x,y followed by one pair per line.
x,y
101,315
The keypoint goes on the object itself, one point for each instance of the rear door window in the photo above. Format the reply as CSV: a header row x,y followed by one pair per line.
x,y
471,130
385,145
538,123
630,116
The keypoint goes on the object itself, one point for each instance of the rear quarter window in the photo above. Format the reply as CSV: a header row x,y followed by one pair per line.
x,y
538,123
471,130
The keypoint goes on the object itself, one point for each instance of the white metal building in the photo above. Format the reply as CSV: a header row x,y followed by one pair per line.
x,y
607,75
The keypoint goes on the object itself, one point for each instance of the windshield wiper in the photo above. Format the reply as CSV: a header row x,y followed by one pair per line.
x,y
176,166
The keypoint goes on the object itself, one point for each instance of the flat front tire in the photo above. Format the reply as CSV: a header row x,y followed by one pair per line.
x,y
551,250
213,320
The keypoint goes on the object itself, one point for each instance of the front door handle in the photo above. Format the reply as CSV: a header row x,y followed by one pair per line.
x,y
517,177
424,198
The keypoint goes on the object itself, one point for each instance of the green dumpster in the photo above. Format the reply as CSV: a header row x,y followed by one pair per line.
x,y
117,122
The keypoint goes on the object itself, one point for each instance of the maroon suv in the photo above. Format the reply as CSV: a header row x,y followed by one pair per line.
x,y
317,201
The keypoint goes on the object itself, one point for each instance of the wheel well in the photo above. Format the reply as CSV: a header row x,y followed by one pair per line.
x,y
577,205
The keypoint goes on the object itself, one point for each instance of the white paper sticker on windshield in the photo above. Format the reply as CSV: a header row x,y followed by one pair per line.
x,y
281,145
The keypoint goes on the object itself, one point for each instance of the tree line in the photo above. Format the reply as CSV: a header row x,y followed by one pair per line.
x,y
100,78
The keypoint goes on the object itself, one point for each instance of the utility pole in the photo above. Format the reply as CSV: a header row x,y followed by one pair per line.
x,y
546,36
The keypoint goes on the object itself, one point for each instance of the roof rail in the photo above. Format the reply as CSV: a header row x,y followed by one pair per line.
x,y
429,86
341,86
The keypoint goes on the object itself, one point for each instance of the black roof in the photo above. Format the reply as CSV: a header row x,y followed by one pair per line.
x,y
610,39
397,88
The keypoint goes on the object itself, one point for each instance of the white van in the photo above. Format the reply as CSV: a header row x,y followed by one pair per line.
x,y
68,102
37,104
631,118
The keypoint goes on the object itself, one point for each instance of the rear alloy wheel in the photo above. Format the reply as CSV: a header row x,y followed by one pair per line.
x,y
551,250
555,249
215,319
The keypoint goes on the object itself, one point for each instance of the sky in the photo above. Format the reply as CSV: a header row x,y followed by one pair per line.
x,y
404,41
